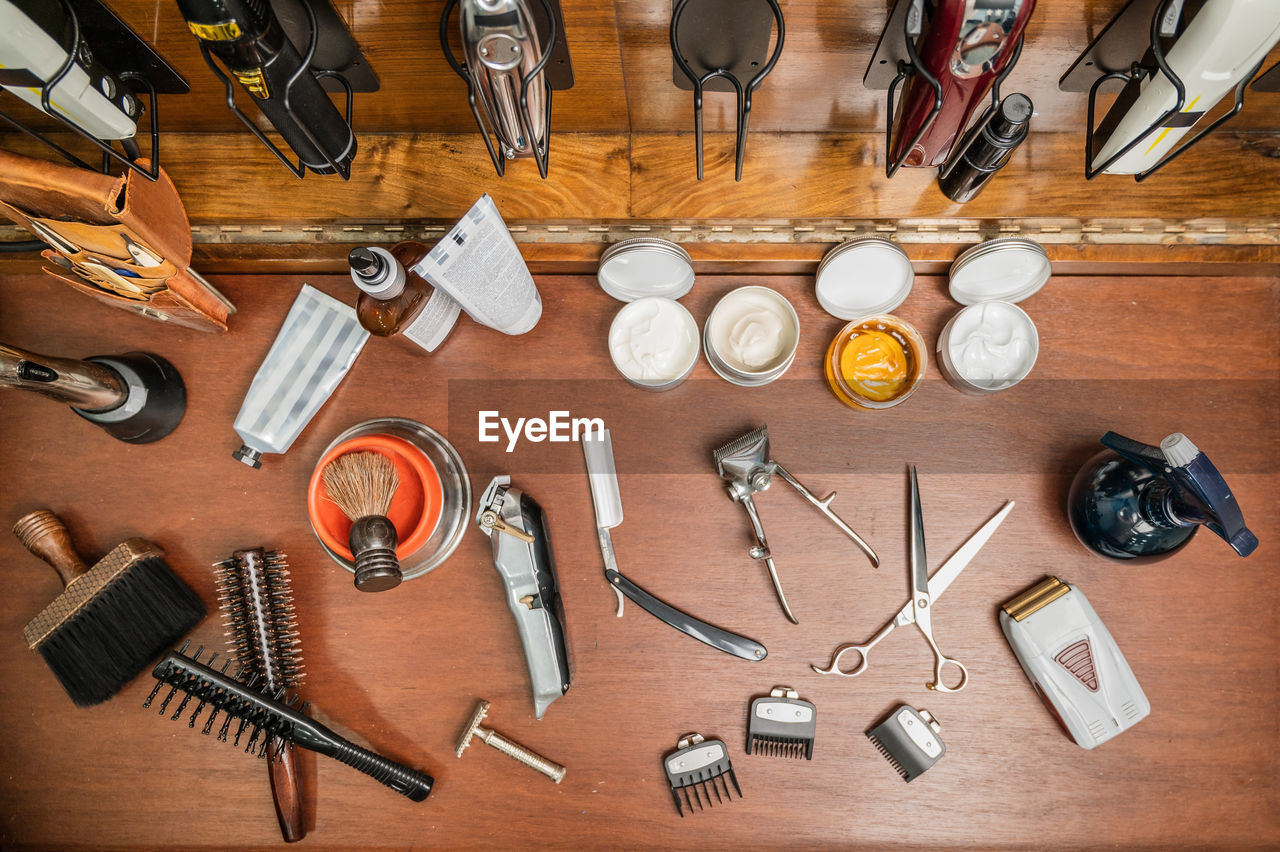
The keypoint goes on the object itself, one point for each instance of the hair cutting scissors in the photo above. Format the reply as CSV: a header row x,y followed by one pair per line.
x,y
925,591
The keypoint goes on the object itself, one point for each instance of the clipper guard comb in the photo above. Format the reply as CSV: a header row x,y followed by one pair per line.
x,y
909,740
782,724
700,765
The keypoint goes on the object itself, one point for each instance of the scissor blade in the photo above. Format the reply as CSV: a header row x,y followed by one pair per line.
x,y
919,563
946,575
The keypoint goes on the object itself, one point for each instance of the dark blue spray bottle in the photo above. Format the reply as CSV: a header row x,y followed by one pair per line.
x,y
1139,503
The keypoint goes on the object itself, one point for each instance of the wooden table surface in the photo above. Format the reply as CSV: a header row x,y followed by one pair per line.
x,y
401,671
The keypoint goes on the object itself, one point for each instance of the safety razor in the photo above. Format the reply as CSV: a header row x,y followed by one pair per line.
x,y
517,529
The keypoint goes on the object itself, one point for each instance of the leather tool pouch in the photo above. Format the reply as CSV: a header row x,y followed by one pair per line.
x,y
100,226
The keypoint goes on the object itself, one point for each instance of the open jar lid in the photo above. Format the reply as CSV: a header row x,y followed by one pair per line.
x,y
1006,269
645,266
868,275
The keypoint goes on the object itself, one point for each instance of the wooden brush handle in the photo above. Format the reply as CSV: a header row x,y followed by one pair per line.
x,y
44,534
286,788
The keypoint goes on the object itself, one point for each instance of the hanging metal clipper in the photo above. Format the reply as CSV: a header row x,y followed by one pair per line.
x,y
745,465
517,528
509,46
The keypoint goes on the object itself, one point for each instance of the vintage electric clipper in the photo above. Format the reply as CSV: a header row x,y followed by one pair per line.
x,y
956,51
745,465
522,556
508,45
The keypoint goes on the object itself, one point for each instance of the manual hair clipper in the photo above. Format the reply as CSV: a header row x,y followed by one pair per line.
x,y
966,46
745,465
517,528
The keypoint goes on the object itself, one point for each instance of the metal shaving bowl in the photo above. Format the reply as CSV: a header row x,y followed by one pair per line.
x,y
455,486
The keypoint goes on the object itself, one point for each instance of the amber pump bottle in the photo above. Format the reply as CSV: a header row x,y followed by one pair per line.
x,y
397,302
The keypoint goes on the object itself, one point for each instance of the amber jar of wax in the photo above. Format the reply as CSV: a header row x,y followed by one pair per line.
x,y
875,362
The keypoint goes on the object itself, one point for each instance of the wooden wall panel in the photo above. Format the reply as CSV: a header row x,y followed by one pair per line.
x,y
622,61
817,84
843,176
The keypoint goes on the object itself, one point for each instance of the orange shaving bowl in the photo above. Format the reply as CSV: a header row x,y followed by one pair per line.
x,y
415,508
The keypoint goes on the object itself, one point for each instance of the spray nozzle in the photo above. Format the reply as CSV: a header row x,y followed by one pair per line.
x,y
1196,484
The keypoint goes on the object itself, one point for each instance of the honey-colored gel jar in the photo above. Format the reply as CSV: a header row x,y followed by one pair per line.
x,y
875,362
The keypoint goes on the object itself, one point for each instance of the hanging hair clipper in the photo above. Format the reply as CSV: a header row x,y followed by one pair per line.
x,y
508,47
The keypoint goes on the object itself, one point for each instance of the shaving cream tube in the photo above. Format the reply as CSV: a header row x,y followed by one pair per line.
x,y
315,348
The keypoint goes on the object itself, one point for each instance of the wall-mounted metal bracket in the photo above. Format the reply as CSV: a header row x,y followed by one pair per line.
x,y
715,45
1132,48
894,61
337,54
96,30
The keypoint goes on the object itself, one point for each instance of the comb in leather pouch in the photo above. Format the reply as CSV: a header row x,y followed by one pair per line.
x,y
121,239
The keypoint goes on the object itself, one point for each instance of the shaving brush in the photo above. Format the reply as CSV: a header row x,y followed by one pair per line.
x,y
256,598
362,485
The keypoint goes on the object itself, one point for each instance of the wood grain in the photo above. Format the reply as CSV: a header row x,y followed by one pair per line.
x,y
790,174
401,671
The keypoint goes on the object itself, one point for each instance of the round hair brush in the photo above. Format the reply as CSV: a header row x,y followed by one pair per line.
x,y
256,597
362,485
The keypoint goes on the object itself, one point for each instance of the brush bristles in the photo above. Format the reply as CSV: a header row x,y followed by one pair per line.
x,y
259,716
125,626
256,598
361,484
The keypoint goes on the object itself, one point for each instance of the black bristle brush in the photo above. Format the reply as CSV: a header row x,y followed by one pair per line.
x,y
111,620
265,716
256,597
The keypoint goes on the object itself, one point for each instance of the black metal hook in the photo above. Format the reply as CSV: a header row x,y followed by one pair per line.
x,y
109,154
1136,72
911,66
742,93
299,170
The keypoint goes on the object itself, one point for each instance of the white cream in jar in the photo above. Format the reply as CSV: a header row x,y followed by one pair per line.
x,y
751,335
654,342
989,346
